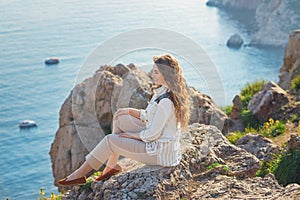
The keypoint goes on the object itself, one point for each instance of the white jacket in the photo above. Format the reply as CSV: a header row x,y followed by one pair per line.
x,y
161,134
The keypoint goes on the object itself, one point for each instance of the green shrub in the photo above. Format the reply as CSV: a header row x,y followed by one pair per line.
x,y
234,136
295,83
249,90
227,110
288,168
272,128
248,119
285,167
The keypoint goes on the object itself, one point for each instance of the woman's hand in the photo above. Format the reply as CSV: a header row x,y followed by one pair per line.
x,y
121,111
130,135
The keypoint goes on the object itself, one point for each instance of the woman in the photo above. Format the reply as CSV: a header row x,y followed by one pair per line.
x,y
150,136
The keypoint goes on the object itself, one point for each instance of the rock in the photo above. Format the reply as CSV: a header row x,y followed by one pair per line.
x,y
86,115
234,4
237,107
263,148
268,101
205,111
291,61
273,20
204,145
293,143
235,41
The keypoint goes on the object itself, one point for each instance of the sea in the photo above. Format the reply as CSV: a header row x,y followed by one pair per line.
x,y
31,31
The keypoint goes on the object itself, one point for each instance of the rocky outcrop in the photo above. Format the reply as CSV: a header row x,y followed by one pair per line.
x,y
235,41
268,101
263,148
241,4
205,111
86,115
192,178
293,143
274,19
291,61
202,146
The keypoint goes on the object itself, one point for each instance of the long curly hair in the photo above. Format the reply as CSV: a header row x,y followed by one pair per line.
x,y
170,69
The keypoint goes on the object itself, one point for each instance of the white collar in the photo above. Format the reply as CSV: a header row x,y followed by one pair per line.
x,y
162,89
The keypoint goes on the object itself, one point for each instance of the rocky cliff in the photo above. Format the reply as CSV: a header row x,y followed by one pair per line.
x,y
211,168
86,115
274,19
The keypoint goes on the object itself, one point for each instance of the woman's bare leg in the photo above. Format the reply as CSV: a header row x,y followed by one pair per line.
x,y
83,170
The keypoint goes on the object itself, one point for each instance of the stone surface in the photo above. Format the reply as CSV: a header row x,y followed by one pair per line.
x,y
268,101
191,179
205,111
235,41
263,148
293,143
291,61
202,146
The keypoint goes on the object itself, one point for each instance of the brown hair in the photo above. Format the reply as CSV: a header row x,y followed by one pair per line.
x,y
170,69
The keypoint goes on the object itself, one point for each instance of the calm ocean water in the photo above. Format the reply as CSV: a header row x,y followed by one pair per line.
x,y
71,29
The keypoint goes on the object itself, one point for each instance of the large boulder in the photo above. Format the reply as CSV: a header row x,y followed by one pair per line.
x,y
86,115
263,148
268,101
291,61
202,146
205,111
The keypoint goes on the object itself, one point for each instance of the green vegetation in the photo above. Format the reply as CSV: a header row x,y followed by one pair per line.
x,y
285,167
246,94
89,180
234,136
272,128
249,90
215,164
249,119
295,83
298,129
227,110
52,196
294,117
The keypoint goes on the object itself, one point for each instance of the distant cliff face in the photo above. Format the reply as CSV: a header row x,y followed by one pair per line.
x,y
275,19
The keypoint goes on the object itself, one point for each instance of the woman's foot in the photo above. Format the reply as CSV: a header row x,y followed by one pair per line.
x,y
109,173
70,182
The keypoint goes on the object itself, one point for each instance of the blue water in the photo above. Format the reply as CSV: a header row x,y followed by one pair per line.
x,y
71,29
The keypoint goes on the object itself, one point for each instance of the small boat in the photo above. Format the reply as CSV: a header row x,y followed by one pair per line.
x,y
27,123
51,61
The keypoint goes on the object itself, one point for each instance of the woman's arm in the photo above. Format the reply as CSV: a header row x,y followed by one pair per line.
x,y
164,111
127,111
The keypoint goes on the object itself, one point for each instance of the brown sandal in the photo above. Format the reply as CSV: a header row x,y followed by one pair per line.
x,y
110,173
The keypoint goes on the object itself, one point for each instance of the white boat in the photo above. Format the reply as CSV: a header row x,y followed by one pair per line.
x,y
27,123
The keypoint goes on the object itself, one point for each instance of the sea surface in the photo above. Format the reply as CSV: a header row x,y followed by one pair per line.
x,y
71,29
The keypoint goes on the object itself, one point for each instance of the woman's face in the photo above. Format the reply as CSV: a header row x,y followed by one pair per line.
x,y
157,76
